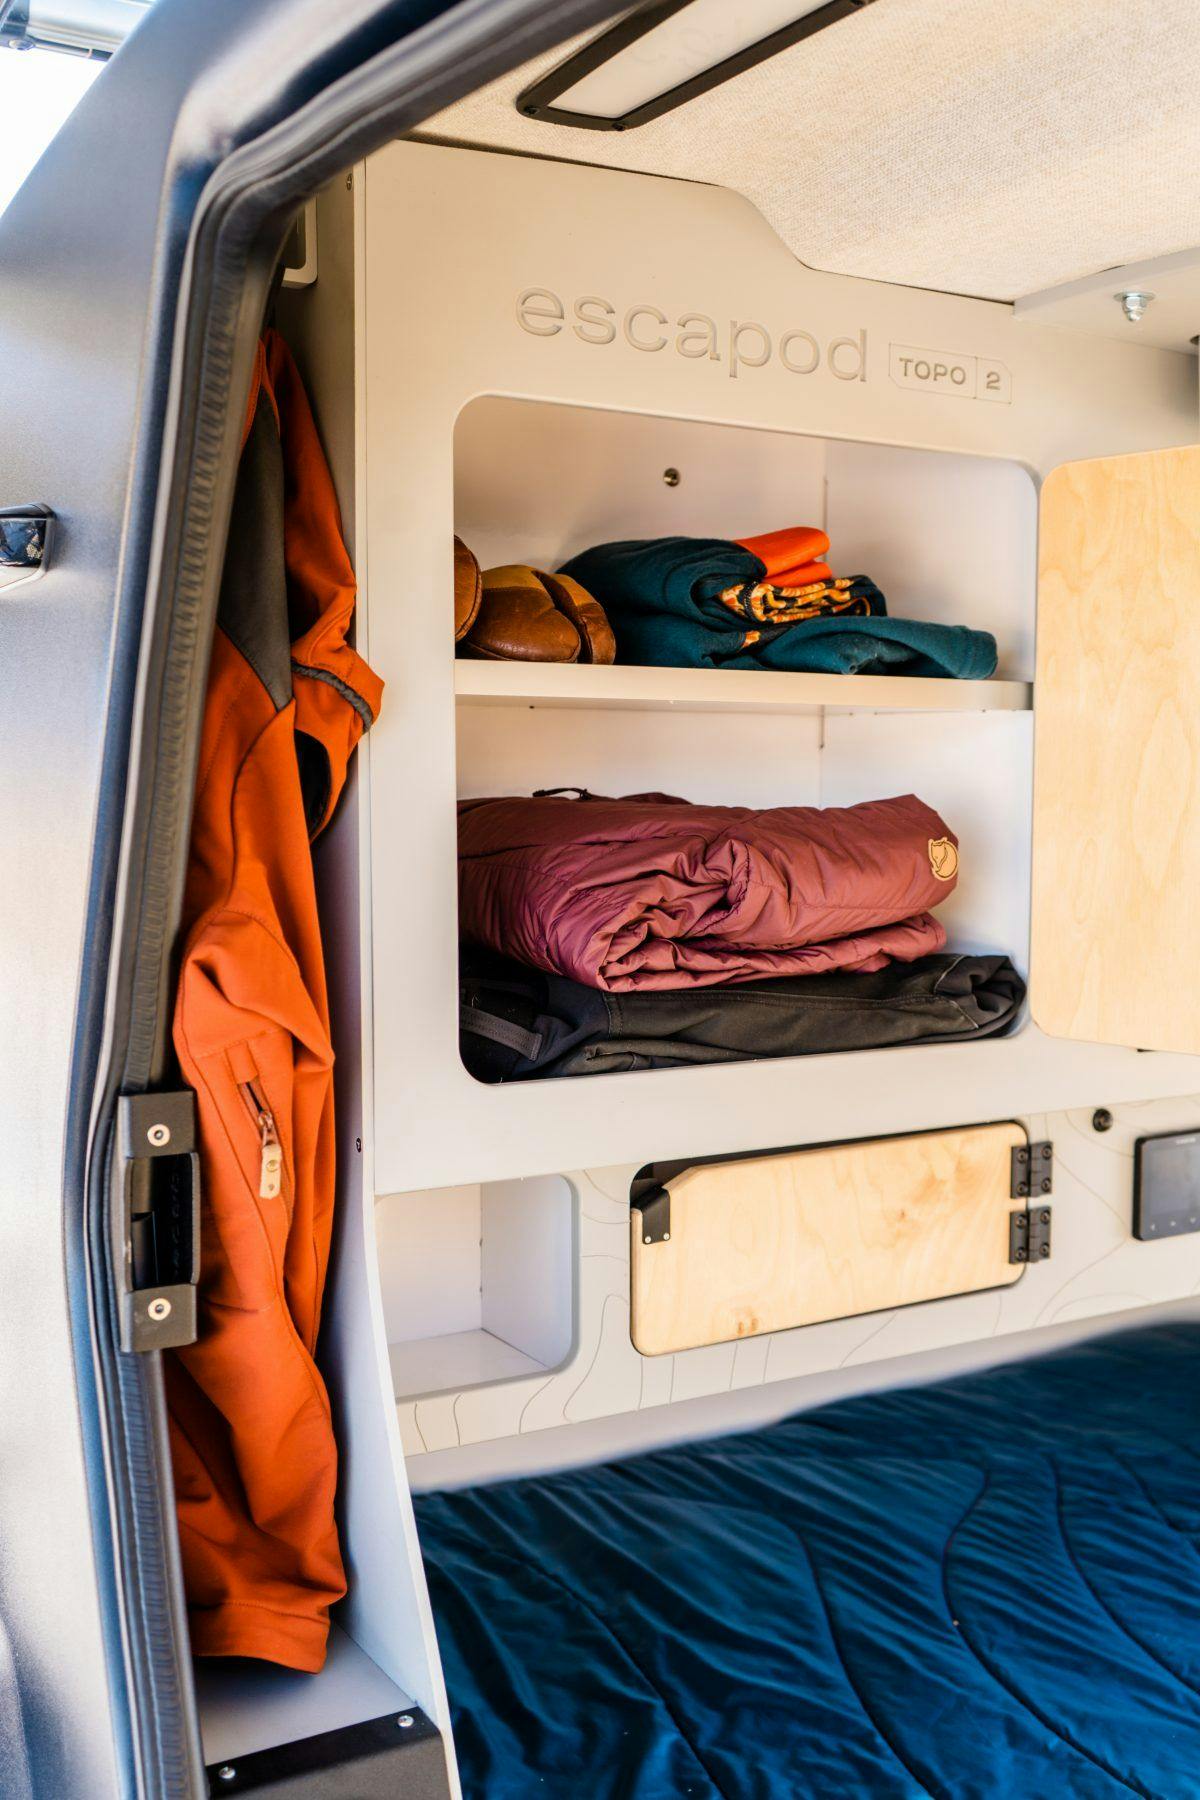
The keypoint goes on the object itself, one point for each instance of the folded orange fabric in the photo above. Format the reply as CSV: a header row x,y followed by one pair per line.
x,y
793,556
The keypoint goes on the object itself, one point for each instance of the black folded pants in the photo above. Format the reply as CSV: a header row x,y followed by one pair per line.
x,y
518,1023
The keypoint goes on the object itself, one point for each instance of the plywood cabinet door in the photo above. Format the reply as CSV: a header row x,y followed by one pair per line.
x,y
768,1243
1115,955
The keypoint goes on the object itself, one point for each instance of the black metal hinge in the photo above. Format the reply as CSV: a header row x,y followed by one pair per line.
x,y
1029,1235
159,1246
1031,1179
655,1208
1032,1171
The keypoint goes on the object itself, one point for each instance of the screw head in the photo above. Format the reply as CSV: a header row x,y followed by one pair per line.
x,y
647,1239
159,1309
1022,1253
158,1135
226,1772
666,1237
671,477
1134,302
1102,1119
406,1721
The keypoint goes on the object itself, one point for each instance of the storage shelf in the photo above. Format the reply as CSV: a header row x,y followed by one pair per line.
x,y
628,688
247,1706
459,1359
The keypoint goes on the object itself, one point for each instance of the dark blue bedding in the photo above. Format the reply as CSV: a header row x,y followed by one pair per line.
x,y
987,1589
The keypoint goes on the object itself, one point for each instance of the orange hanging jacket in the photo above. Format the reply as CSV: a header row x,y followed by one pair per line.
x,y
288,698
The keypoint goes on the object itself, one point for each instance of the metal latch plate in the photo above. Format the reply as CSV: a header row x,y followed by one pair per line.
x,y
160,1239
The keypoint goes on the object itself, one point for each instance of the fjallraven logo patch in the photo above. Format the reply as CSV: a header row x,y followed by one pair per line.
x,y
943,858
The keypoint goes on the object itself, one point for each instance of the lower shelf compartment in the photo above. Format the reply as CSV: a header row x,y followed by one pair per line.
x,y
478,1283
459,1359
1096,1268
249,1706
974,770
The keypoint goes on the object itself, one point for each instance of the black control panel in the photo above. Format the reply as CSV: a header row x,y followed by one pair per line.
x,y
1166,1185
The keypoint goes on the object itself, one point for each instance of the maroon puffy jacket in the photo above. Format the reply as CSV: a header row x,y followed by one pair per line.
x,y
651,892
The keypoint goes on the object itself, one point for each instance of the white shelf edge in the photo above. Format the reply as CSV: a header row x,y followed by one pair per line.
x,y
720,1108
627,687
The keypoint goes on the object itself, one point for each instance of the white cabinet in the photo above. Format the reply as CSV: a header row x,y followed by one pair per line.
x,y
532,444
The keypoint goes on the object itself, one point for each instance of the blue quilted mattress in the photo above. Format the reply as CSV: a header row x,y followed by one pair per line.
x,y
982,1589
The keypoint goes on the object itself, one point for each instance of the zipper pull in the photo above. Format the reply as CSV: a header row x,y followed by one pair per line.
x,y
270,1178
270,1168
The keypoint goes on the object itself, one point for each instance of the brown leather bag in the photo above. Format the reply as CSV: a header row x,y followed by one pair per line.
x,y
529,616
468,590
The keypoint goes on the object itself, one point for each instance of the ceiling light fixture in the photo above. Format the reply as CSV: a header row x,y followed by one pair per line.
x,y
664,54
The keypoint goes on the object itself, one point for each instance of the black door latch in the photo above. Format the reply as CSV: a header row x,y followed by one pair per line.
x,y
161,1217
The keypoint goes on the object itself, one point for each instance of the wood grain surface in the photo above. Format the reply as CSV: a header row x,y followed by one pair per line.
x,y
773,1242
1116,836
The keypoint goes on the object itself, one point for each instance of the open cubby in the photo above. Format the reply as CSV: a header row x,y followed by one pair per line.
x,y
477,1282
949,538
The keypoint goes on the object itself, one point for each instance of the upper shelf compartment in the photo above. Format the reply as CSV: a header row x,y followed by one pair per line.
x,y
949,539
627,689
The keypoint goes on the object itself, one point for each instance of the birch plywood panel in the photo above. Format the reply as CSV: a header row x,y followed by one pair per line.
x,y
1116,842
774,1242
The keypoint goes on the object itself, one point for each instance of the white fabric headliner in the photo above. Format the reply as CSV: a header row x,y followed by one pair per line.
x,y
987,147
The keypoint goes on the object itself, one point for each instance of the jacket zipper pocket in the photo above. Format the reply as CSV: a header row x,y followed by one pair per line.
x,y
270,1168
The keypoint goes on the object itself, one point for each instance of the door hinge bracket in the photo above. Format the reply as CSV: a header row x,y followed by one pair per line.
x,y
1031,1168
159,1218
655,1208
1029,1235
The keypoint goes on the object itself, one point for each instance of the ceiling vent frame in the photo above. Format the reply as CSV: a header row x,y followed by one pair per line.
x,y
537,101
